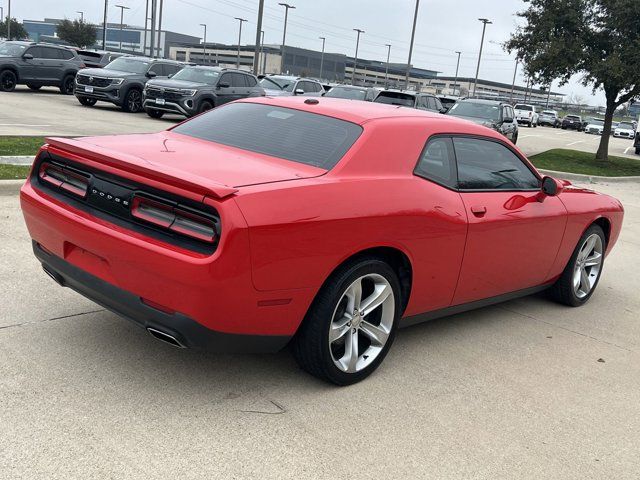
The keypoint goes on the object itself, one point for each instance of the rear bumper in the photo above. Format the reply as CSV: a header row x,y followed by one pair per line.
x,y
187,331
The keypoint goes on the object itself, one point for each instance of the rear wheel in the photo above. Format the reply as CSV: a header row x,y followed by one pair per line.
x,y
154,113
66,88
133,101
351,324
87,102
8,81
581,275
34,87
637,150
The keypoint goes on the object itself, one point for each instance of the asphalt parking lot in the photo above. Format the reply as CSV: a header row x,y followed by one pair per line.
x,y
525,389
24,112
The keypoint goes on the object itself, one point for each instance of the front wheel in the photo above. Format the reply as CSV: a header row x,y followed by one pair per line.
x,y
133,101
154,113
581,275
351,324
67,85
8,81
87,102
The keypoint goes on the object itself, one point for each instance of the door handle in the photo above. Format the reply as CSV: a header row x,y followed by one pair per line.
x,y
479,211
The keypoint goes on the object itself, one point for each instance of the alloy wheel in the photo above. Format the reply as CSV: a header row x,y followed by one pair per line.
x,y
134,101
587,266
8,81
362,322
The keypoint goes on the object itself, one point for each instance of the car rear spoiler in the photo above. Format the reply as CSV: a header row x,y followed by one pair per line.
x,y
139,166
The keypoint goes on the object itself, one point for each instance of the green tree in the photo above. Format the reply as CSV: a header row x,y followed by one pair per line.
x,y
77,32
598,39
17,30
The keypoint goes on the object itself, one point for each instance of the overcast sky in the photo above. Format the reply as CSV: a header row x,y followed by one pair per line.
x,y
444,26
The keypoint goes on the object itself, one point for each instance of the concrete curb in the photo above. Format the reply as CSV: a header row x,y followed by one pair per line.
x,y
10,187
589,178
17,160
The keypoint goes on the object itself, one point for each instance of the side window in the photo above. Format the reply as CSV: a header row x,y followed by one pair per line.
x,y
158,69
437,162
489,165
35,51
237,80
251,81
225,78
65,54
49,53
171,69
431,103
317,87
437,103
302,85
421,102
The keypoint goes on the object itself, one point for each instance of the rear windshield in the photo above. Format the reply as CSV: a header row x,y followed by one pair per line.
x,y
302,137
396,98
572,117
527,108
350,93
549,112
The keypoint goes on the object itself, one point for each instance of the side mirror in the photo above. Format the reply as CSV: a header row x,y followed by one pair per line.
x,y
443,110
223,85
170,75
299,91
151,74
551,187
27,56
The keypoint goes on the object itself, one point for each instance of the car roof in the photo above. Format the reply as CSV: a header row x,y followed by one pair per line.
x,y
147,59
354,112
481,101
20,42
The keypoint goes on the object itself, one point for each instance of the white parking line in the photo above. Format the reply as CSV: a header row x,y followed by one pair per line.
x,y
562,133
626,150
574,143
21,125
526,136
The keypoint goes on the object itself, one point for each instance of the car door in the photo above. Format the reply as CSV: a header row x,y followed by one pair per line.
x,y
225,88
50,65
514,232
29,67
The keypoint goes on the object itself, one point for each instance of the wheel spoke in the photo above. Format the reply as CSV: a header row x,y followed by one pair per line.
x,y
593,260
339,328
380,293
354,294
588,247
585,286
350,358
377,334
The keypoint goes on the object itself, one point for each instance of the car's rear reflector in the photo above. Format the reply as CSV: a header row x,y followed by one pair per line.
x,y
174,218
73,182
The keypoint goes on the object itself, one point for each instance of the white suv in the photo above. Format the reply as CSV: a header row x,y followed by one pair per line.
x,y
526,114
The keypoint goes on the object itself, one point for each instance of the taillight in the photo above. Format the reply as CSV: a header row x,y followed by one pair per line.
x,y
65,179
174,218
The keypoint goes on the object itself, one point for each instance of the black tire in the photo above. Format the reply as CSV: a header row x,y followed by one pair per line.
x,y
311,347
563,290
8,80
637,150
34,87
204,106
515,139
154,113
563,127
133,101
87,102
68,84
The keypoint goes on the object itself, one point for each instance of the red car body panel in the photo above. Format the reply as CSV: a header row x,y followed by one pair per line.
x,y
287,226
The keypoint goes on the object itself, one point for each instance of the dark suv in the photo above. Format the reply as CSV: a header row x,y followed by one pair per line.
x,y
573,122
196,89
406,98
121,82
498,116
37,65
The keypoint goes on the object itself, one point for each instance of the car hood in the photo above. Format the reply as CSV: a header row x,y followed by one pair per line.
x,y
183,157
630,130
170,83
276,93
107,73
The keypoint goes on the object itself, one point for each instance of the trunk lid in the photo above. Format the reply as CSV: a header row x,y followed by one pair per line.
x,y
216,168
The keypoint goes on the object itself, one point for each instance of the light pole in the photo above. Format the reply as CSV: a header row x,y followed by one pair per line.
x,y
455,82
284,33
122,9
413,34
9,19
322,56
104,26
548,94
81,16
204,44
241,20
264,58
146,25
259,40
160,30
152,34
386,69
513,83
484,27
355,59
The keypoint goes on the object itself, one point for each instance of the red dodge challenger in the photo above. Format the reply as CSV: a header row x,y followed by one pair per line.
x,y
323,223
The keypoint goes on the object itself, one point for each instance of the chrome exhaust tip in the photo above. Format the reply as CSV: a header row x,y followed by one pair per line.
x,y
165,337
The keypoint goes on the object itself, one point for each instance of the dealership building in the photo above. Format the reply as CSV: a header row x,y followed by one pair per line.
x,y
491,90
336,67
133,38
